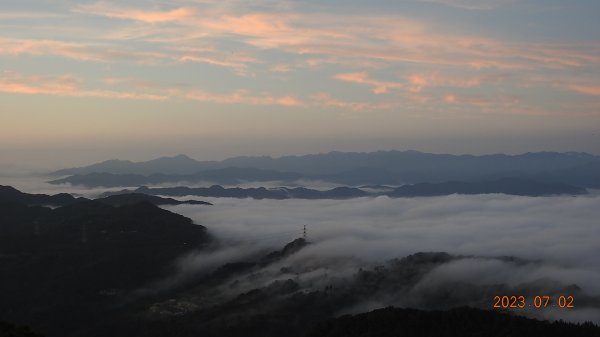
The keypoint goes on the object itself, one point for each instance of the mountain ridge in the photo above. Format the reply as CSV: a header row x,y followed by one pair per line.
x,y
349,168
11,194
509,186
102,166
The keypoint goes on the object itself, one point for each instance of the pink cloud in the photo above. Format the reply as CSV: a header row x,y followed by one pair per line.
x,y
76,51
240,97
120,95
259,24
587,89
15,83
392,40
379,40
583,85
315,40
379,87
112,10
65,85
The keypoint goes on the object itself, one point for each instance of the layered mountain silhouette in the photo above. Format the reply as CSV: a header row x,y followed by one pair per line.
x,y
60,265
11,194
382,167
180,164
349,168
92,269
133,198
511,186
226,176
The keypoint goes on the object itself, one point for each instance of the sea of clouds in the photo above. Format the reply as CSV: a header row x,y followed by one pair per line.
x,y
558,237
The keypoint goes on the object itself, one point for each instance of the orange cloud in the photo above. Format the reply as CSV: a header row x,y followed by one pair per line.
x,y
379,87
378,40
587,89
585,85
355,43
389,39
260,24
114,11
241,97
451,99
14,83
75,51
67,85
64,85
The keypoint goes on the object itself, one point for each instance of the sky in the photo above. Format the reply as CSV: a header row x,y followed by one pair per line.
x,y
83,81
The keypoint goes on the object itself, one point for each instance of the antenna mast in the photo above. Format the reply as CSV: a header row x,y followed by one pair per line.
x,y
304,233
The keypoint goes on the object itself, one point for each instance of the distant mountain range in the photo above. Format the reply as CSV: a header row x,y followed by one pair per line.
x,y
225,176
348,168
511,186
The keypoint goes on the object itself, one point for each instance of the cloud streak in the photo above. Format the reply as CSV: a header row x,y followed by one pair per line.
x,y
241,97
406,62
379,87
114,11
587,89
390,39
65,85
93,52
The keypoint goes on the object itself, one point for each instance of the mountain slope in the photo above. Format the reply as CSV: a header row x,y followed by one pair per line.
x,y
134,198
180,164
460,322
67,266
9,193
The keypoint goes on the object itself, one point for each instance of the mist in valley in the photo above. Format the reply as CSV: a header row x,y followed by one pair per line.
x,y
551,242
532,246
363,254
